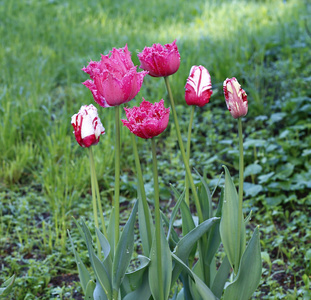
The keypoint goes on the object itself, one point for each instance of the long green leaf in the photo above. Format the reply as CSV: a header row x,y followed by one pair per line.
x,y
229,224
202,288
142,220
221,278
84,274
7,286
185,245
174,236
142,292
205,198
173,214
89,291
166,268
134,279
124,250
248,277
99,293
101,273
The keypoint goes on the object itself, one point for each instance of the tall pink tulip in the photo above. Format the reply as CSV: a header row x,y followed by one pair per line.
x,y
236,98
87,126
160,61
198,86
147,120
114,80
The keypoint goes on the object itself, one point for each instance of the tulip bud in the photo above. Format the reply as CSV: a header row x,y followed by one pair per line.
x,y
198,86
87,126
236,98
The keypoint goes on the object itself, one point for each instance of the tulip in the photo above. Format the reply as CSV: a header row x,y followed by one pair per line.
x,y
114,80
198,87
87,126
148,120
236,98
160,61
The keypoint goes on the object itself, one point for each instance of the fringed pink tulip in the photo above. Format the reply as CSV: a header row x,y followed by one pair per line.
x,y
236,98
87,126
147,120
198,86
160,61
114,80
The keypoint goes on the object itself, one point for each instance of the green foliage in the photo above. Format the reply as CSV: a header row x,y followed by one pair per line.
x,y
45,178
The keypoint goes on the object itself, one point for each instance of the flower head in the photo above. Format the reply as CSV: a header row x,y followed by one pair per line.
x,y
87,126
114,79
236,98
198,86
147,120
160,61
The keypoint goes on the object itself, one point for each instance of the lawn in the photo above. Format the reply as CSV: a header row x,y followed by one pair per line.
x,y
45,176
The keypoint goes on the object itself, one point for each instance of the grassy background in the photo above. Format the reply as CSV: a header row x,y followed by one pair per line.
x,y
44,177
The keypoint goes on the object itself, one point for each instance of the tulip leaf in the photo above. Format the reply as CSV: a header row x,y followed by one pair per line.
x,y
205,198
7,286
98,293
229,224
142,292
84,275
214,239
124,250
174,236
134,279
173,214
166,261
221,278
184,246
101,273
103,243
88,292
202,288
142,220
248,277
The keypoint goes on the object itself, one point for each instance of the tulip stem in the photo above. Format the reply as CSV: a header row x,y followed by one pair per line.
x,y
100,208
182,150
241,176
141,191
117,178
157,216
188,153
94,198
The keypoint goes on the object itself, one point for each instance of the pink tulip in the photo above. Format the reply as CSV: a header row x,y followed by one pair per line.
x,y
147,120
114,80
160,61
198,86
236,98
87,126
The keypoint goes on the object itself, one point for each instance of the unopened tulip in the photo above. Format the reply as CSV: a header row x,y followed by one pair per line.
x,y
236,98
87,126
198,86
114,80
147,120
160,61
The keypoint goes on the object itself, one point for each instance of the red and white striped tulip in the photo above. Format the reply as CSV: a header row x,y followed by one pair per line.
x,y
198,87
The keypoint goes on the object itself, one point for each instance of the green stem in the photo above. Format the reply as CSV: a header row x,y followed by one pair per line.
x,y
182,150
241,178
94,200
188,153
142,192
117,178
157,216
101,213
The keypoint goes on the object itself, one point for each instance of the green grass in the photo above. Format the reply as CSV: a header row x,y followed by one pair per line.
x,y
44,177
